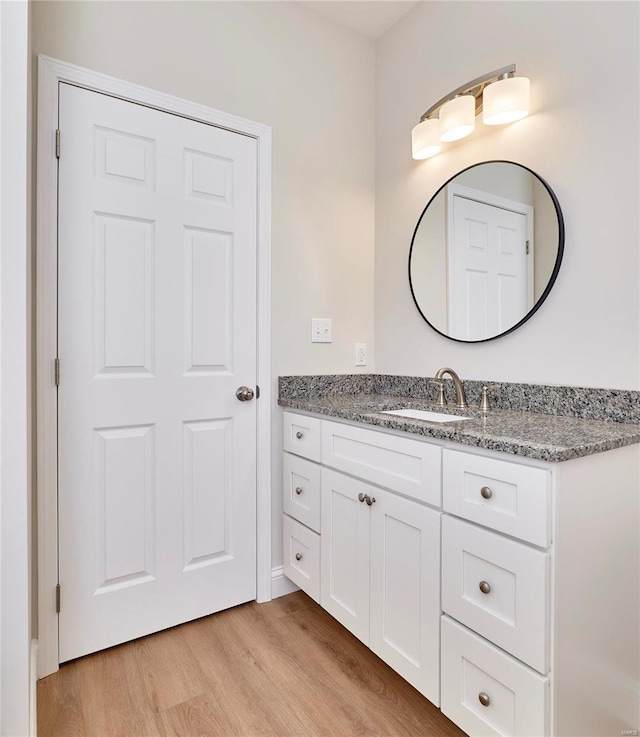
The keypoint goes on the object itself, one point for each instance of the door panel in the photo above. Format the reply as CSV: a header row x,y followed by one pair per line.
x,y
405,589
157,329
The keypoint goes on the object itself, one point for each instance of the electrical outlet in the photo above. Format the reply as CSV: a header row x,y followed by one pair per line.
x,y
321,330
361,354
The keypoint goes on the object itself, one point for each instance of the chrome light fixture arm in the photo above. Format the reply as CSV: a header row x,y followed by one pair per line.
x,y
475,88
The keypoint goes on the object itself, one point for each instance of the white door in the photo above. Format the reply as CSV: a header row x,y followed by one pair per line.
x,y
405,590
157,330
344,552
488,278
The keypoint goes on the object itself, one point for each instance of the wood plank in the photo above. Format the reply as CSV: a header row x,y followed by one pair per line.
x,y
281,669
112,693
170,675
59,708
241,677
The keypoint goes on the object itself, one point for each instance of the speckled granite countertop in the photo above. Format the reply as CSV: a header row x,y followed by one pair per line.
x,y
532,435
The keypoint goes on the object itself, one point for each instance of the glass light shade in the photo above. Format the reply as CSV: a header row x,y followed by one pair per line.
x,y
505,101
425,139
457,118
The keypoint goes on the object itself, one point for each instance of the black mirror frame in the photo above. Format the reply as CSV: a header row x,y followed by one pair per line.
x,y
552,278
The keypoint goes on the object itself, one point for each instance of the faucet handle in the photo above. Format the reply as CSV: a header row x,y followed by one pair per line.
x,y
440,384
484,402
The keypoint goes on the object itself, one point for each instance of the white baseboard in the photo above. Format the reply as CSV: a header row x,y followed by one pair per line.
x,y
33,693
280,584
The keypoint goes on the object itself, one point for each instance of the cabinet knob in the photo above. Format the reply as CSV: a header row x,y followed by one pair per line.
x,y
298,556
484,699
484,587
369,499
298,490
361,497
299,435
486,492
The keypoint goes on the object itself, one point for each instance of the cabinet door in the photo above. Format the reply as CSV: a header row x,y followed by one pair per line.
x,y
405,590
344,552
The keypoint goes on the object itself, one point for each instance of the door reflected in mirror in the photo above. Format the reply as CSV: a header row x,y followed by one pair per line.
x,y
486,251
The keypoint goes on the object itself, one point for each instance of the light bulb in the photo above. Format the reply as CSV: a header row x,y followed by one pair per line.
x,y
457,118
425,139
505,101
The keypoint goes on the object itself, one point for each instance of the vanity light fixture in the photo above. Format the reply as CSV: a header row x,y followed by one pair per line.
x,y
500,96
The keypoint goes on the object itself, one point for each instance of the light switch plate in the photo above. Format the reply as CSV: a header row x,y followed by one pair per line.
x,y
321,330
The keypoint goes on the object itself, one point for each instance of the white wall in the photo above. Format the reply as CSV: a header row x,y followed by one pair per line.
x,y
581,136
280,64
15,624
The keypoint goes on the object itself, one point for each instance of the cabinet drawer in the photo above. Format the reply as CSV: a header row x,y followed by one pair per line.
x,y
499,588
411,467
505,496
301,490
301,435
301,557
516,698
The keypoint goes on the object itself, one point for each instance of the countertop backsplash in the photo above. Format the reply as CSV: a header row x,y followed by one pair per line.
x,y
612,405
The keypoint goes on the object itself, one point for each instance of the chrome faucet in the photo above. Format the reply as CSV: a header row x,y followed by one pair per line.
x,y
461,400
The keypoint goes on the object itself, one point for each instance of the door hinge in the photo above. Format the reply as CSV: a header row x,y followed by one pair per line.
x,y
58,599
58,143
257,392
527,248
57,371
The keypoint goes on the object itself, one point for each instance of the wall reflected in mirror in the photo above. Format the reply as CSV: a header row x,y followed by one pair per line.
x,y
486,251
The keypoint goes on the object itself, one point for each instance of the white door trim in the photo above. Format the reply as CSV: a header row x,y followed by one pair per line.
x,y
50,73
15,390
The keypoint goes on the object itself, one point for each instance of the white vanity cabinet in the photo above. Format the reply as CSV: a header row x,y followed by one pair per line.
x,y
534,563
380,574
379,548
504,589
301,502
496,592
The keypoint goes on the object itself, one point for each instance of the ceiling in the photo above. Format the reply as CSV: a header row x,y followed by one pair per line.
x,y
371,18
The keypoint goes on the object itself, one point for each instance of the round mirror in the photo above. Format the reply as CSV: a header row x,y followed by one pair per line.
x,y
486,251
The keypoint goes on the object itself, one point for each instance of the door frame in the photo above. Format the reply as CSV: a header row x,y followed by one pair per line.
x,y
51,72
486,198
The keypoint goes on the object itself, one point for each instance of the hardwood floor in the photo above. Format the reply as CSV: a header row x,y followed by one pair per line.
x,y
282,669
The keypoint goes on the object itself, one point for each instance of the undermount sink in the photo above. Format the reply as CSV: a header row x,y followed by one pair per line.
x,y
420,414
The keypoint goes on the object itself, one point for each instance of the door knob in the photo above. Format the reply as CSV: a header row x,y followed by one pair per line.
x,y
244,394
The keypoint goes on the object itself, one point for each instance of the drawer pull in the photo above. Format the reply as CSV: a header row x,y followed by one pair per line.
x,y
366,498
299,435
484,699
298,490
298,556
486,492
484,587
